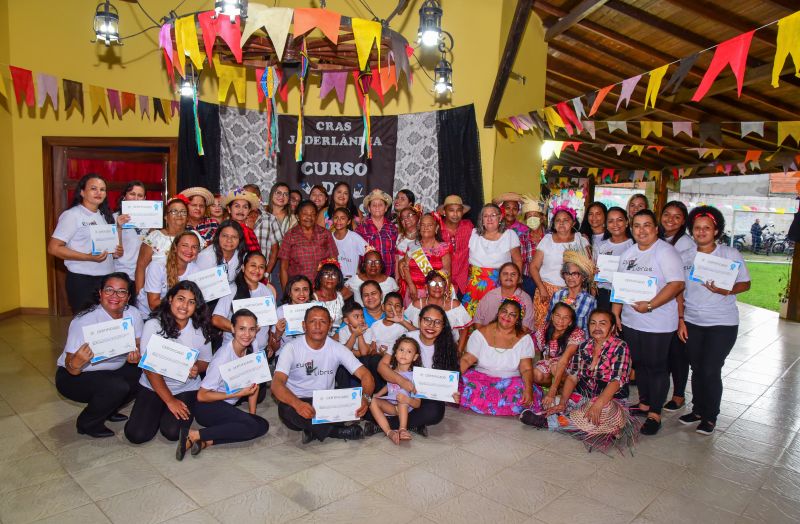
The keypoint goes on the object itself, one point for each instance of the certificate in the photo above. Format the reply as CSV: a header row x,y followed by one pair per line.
x,y
145,214
294,315
110,339
435,384
262,307
213,282
722,271
242,372
104,238
607,265
628,288
336,405
168,358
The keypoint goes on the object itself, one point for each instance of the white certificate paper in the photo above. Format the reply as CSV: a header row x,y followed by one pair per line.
x,y
722,271
435,384
168,358
145,214
262,307
607,265
336,405
104,238
628,288
294,315
110,339
242,372
213,282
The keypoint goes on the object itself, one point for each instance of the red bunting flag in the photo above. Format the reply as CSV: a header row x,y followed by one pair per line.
x,y
214,25
128,102
23,85
568,115
733,52
657,148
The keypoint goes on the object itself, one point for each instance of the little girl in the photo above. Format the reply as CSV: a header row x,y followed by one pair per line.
x,y
350,245
394,400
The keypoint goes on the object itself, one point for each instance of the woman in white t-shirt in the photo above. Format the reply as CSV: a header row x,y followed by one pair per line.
x,y
709,322
105,385
328,285
649,325
72,241
157,243
614,243
351,245
545,267
164,403
497,368
131,238
490,246
180,263
438,293
297,291
227,249
216,408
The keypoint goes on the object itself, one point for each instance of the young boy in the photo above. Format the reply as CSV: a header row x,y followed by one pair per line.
x,y
387,330
355,334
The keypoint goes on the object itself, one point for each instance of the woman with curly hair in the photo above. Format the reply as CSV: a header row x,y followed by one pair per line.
x,y
160,276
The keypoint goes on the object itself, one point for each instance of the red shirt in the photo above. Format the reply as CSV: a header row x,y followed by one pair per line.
x,y
304,255
459,246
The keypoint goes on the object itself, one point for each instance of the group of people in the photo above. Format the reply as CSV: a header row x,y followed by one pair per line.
x,y
513,303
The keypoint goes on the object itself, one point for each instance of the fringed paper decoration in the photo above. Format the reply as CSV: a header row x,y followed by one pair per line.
x,y
73,94
23,85
186,44
198,134
366,33
328,22
213,25
298,146
46,87
274,20
363,79
733,52
788,44
270,82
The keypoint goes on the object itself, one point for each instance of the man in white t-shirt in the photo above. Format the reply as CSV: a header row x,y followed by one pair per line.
x,y
309,364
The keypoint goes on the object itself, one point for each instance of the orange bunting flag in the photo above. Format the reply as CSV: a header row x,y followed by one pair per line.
x,y
788,44
186,43
128,102
601,95
753,156
733,52
656,148
366,34
654,86
788,129
328,22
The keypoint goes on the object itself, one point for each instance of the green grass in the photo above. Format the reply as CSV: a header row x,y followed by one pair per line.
x,y
768,280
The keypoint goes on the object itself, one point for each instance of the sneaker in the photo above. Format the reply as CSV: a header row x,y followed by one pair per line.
x,y
371,428
705,428
529,418
650,426
347,433
422,431
307,436
673,406
690,418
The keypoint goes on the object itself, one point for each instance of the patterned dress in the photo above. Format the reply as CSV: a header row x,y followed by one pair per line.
x,y
551,353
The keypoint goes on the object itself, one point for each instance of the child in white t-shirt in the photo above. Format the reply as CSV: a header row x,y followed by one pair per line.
x,y
355,334
393,325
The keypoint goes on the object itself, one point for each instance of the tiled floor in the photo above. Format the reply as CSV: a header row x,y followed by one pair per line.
x,y
470,469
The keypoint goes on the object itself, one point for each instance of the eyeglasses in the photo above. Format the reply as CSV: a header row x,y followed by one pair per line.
x,y
328,274
436,283
178,213
373,262
121,293
428,321
570,273
491,215
281,193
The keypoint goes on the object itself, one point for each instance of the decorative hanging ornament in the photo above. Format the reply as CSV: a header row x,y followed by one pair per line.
x,y
298,147
106,23
270,83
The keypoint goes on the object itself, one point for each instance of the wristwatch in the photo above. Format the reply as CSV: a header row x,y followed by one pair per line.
x,y
368,398
649,307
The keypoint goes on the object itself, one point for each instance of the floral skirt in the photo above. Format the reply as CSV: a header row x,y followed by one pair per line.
x,y
500,397
481,281
541,302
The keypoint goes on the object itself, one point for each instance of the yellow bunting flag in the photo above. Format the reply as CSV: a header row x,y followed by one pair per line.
x,y
97,97
636,149
788,129
592,171
687,171
274,20
230,75
558,169
648,126
788,44
186,43
713,153
654,86
553,119
366,33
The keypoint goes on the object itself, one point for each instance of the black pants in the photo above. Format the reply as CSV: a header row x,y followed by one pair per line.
x,y
294,421
81,290
650,355
345,380
678,366
225,423
150,414
708,347
603,299
103,392
528,285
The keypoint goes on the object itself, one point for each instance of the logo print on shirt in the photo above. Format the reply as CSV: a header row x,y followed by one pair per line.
x,y
631,264
310,368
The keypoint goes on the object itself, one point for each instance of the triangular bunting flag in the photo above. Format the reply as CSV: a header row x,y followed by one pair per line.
x,y
628,85
557,169
580,112
638,175
401,56
553,120
592,171
653,87
601,95
636,149
97,99
649,126
752,156
326,21
334,80
144,105
742,167
3,91
701,151
788,129
46,87
617,147
752,127
710,131
158,110
274,20
115,103
186,43
614,126
230,75
128,103
682,127
568,117
733,52
73,94
677,78
366,33
166,108
788,44
714,153
589,126
656,148
212,25
165,43
23,85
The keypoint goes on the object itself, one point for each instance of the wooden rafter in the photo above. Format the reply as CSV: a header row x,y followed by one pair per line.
x,y
581,11
720,15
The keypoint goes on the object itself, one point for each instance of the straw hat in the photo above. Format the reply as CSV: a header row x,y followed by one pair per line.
x,y
241,194
198,191
452,200
612,419
377,193
531,204
507,197
582,261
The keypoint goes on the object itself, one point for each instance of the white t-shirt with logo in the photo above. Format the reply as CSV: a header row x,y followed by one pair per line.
x,y
351,248
704,308
208,259
607,247
213,379
131,244
687,249
501,363
75,337
191,338
492,253
663,262
553,260
312,370
73,230
155,281
224,308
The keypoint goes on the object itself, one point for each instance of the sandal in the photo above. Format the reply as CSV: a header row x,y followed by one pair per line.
x,y
183,444
198,446
394,436
405,434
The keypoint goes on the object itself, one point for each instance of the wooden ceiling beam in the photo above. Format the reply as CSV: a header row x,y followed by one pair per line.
x,y
578,13
727,18
789,5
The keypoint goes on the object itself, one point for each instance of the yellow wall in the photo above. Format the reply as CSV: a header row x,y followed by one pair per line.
x,y
137,67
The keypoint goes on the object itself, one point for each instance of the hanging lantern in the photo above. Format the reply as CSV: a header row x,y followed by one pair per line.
x,y
443,77
106,23
188,87
231,8
430,23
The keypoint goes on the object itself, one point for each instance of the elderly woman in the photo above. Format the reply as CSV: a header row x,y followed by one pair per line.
x,y
490,246
430,254
200,199
157,243
372,268
305,245
615,242
578,273
509,287
545,268
497,368
533,212
438,292
377,230
239,203
407,239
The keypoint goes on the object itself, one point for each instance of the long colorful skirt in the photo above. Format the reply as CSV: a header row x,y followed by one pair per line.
x,y
481,281
541,302
500,397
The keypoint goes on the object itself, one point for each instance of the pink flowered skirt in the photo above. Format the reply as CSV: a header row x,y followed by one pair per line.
x,y
501,397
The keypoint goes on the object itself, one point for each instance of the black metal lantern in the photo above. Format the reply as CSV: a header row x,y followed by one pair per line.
x,y
106,23
231,8
430,23
443,78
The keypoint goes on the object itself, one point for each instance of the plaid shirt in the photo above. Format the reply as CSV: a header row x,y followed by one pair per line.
x,y
304,255
206,229
583,304
614,363
459,246
384,240
268,232
525,247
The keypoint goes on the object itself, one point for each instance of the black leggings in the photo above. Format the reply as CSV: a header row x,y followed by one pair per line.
x,y
225,423
81,290
678,366
294,421
650,355
708,347
103,392
604,299
150,414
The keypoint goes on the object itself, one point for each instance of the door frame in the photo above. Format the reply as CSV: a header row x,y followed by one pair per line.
x,y
49,143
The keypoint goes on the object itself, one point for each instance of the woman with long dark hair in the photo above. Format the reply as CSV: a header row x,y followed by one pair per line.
x,y
593,226
130,238
297,291
557,341
616,240
341,196
72,241
164,403
227,249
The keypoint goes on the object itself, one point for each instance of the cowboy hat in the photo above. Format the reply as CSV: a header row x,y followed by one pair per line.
x,y
507,197
377,193
452,200
190,192
241,194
